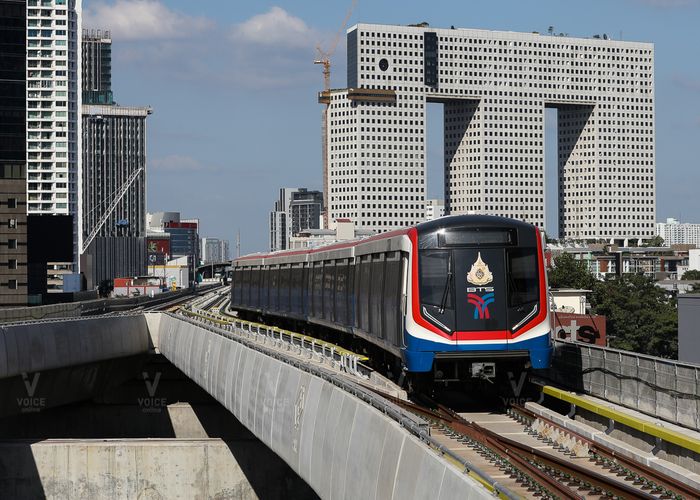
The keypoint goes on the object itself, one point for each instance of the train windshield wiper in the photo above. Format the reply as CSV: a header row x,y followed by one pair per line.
x,y
446,291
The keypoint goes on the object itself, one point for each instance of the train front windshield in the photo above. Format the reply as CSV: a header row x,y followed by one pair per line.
x,y
479,280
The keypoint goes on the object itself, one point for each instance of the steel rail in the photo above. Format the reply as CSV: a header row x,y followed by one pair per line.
x,y
660,479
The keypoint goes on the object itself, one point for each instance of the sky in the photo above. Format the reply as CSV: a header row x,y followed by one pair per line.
x,y
233,89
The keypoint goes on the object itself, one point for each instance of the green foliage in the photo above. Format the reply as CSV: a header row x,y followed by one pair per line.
x,y
640,316
691,274
569,272
656,241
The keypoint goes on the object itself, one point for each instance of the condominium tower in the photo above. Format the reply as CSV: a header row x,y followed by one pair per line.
x,y
53,110
495,87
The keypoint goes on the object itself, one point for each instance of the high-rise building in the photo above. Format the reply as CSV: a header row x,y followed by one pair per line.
x,y
114,192
113,172
678,233
13,150
297,209
97,67
495,87
434,209
53,111
214,250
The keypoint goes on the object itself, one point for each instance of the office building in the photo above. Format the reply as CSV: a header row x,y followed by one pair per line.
x,y
678,233
182,236
297,209
495,87
113,172
434,209
114,192
53,112
214,250
13,150
97,67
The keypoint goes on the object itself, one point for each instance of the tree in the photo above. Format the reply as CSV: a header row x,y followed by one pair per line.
x,y
656,241
640,316
569,272
691,274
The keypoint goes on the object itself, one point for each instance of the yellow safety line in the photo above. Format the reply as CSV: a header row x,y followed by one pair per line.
x,y
320,343
655,430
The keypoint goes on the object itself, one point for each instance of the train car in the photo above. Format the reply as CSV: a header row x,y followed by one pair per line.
x,y
460,291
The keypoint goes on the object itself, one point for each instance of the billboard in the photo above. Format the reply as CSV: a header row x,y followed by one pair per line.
x,y
582,327
158,245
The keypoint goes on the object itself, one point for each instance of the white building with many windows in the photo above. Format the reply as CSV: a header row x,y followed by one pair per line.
x,y
678,233
495,87
53,110
434,209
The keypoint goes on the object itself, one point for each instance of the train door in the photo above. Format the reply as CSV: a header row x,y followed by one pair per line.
x,y
480,293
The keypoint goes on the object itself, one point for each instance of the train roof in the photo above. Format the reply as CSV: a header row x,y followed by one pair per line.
x,y
379,242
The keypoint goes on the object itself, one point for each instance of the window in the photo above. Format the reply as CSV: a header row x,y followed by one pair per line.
x,y
11,244
12,203
523,280
12,264
12,223
12,284
434,266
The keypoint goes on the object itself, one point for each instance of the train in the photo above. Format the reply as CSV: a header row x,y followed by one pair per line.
x,y
456,296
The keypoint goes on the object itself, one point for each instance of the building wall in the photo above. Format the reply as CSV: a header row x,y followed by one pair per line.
x,y
678,233
53,110
688,333
434,209
13,187
495,87
97,67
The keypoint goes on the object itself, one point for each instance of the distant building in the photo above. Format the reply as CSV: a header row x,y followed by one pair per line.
x,y
113,220
342,230
182,237
296,210
53,69
13,161
114,192
97,67
678,233
213,250
495,87
688,333
434,209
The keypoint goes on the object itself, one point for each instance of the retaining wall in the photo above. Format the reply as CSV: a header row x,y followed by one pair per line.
x,y
342,447
150,469
659,387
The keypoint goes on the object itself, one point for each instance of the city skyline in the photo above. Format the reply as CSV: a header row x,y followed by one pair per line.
x,y
188,139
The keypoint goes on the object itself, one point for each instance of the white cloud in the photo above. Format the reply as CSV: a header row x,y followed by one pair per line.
x,y
180,163
276,27
142,20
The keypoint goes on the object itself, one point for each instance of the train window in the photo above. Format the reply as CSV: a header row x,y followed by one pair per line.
x,y
523,279
467,237
434,268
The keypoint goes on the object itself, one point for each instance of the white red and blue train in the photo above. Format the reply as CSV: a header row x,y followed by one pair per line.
x,y
461,290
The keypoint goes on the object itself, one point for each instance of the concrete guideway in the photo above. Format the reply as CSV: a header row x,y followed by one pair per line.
x,y
36,347
341,446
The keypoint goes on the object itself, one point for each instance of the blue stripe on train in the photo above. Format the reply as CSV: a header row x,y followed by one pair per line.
x,y
419,353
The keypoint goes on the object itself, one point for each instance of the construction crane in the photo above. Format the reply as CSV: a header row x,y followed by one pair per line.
x,y
324,59
111,207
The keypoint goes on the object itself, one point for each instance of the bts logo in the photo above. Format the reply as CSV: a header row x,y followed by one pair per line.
x,y
481,304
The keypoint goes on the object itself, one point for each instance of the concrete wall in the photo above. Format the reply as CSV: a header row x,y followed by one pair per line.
x,y
28,348
689,328
145,469
659,387
342,447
